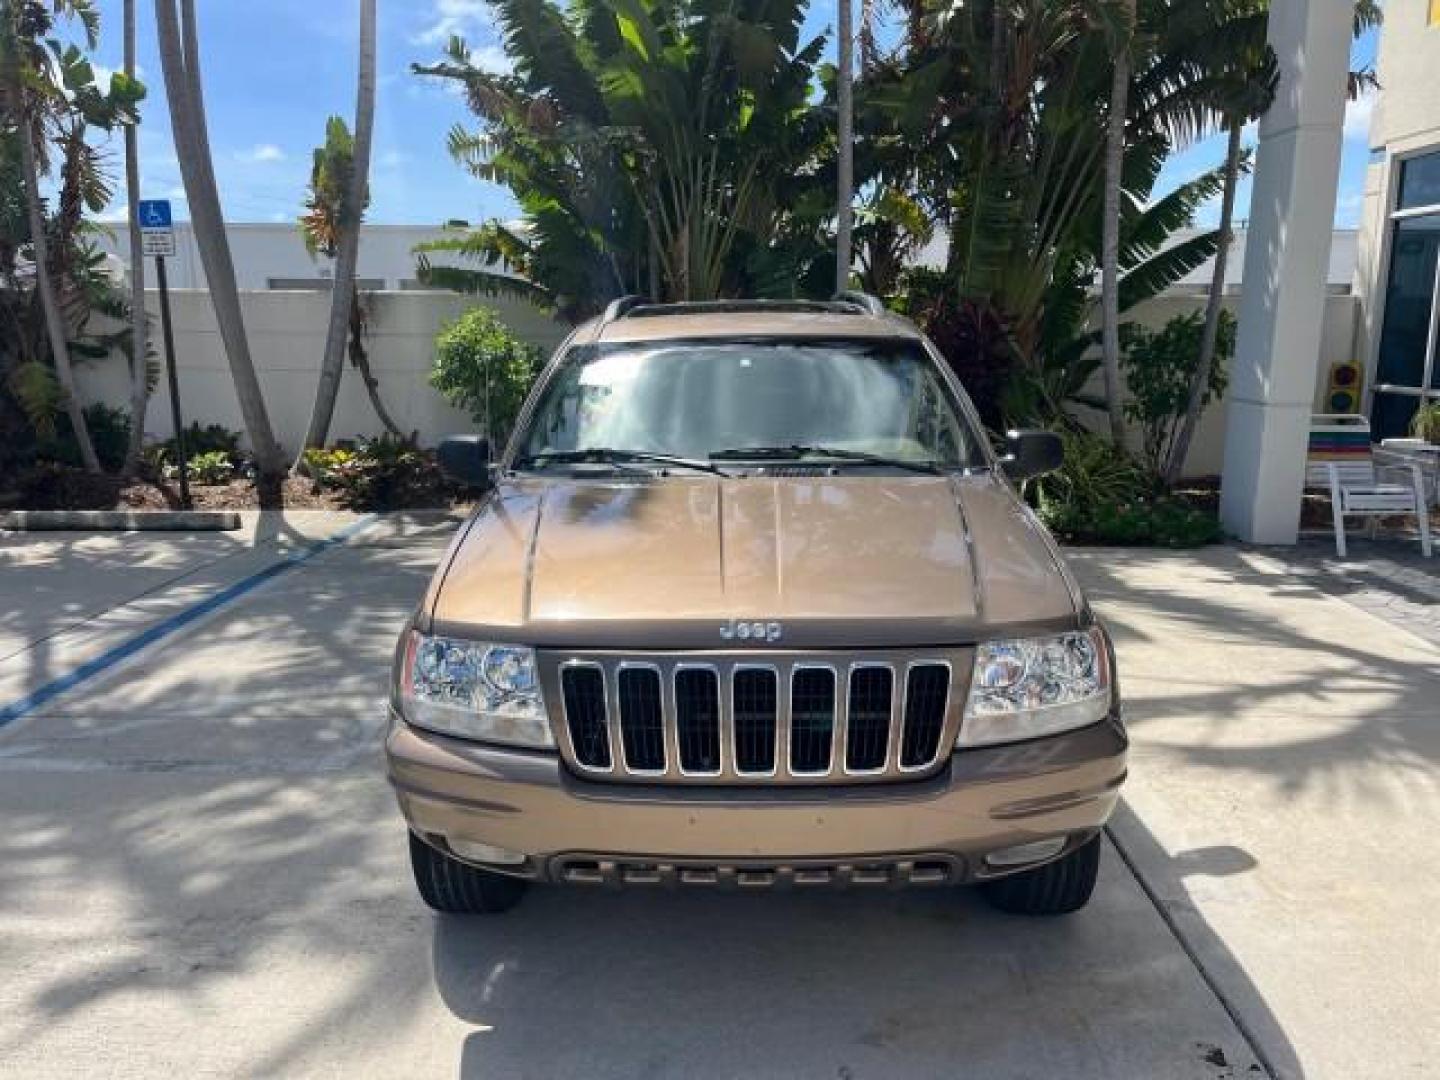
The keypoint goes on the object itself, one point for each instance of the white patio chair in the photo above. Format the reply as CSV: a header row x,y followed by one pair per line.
x,y
1342,462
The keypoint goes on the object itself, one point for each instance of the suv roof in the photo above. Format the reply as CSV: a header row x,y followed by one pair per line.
x,y
850,314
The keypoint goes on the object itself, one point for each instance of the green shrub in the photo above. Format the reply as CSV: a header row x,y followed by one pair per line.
x,y
1102,495
1425,424
1158,365
385,473
211,467
1163,521
1095,472
109,433
324,466
483,368
210,439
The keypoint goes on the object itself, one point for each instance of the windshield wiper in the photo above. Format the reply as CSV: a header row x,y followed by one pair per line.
x,y
603,455
796,452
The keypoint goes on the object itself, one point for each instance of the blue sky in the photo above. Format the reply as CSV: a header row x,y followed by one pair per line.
x,y
275,69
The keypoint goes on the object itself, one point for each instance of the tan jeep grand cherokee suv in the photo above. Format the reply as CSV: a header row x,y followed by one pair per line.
x,y
750,602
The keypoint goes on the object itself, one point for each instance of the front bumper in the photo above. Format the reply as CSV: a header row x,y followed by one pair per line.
x,y
452,791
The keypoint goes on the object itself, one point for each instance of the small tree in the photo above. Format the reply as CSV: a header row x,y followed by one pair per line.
x,y
1158,365
344,203
329,217
483,368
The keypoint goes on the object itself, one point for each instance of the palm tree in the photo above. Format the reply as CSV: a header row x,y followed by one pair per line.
x,y
180,59
139,347
1237,86
1123,36
660,146
327,210
346,248
845,133
31,94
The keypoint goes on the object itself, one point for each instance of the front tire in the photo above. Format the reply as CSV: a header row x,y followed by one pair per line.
x,y
1057,888
452,887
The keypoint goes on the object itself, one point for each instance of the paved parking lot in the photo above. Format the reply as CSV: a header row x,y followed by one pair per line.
x,y
202,872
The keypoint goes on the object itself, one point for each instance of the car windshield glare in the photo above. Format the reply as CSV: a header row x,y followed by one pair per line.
x,y
865,399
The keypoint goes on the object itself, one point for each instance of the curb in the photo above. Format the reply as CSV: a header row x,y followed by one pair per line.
x,y
120,520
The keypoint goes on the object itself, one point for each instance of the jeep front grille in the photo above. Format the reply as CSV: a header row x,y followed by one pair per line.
x,y
755,718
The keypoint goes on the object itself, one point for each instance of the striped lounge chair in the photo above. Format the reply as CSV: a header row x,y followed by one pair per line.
x,y
1341,461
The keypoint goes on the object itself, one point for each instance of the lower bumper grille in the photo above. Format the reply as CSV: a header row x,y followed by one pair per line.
x,y
936,869
792,718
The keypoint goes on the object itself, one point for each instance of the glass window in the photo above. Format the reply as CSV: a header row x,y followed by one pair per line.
x,y
695,398
1404,337
1420,181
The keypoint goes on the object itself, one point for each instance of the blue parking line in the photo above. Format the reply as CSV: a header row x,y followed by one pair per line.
x,y
163,629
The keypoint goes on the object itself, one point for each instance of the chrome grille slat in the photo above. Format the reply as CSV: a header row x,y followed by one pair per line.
x,y
585,715
754,710
926,693
869,714
697,721
641,713
812,719
756,718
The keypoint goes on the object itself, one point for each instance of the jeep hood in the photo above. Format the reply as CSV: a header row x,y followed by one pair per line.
x,y
839,561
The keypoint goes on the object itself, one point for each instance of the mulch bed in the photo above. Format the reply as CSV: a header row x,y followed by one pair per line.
x,y
73,489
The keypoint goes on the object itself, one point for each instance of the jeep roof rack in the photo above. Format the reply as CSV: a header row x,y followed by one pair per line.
x,y
849,302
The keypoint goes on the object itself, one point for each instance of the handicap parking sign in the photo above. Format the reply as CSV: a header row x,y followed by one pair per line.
x,y
155,214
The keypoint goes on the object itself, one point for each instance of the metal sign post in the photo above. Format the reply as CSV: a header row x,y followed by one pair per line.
x,y
158,235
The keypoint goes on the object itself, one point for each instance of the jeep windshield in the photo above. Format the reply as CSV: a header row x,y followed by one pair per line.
x,y
848,404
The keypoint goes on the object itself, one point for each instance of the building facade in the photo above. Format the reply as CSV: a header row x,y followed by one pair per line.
x,y
1398,269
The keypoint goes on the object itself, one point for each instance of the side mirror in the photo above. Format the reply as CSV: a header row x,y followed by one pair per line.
x,y
465,459
1030,453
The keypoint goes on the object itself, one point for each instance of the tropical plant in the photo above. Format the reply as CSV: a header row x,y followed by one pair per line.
x,y
180,58
211,468
483,368
668,147
845,139
1103,495
109,431
211,438
995,120
387,473
323,227
1425,424
339,191
1239,74
1217,50
1157,365
1122,37
326,465
49,99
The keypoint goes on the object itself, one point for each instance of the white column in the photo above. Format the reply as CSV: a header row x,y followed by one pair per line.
x,y
1287,252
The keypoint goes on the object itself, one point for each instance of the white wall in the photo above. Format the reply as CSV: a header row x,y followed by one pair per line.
x,y
287,339
262,251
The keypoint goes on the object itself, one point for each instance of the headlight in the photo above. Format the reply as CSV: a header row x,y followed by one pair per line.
x,y
475,690
1036,686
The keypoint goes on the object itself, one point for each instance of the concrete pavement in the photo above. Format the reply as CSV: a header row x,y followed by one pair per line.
x,y
203,872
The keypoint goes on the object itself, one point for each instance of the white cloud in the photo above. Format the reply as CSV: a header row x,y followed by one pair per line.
x,y
261,154
1357,116
448,17
493,58
103,74
392,159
